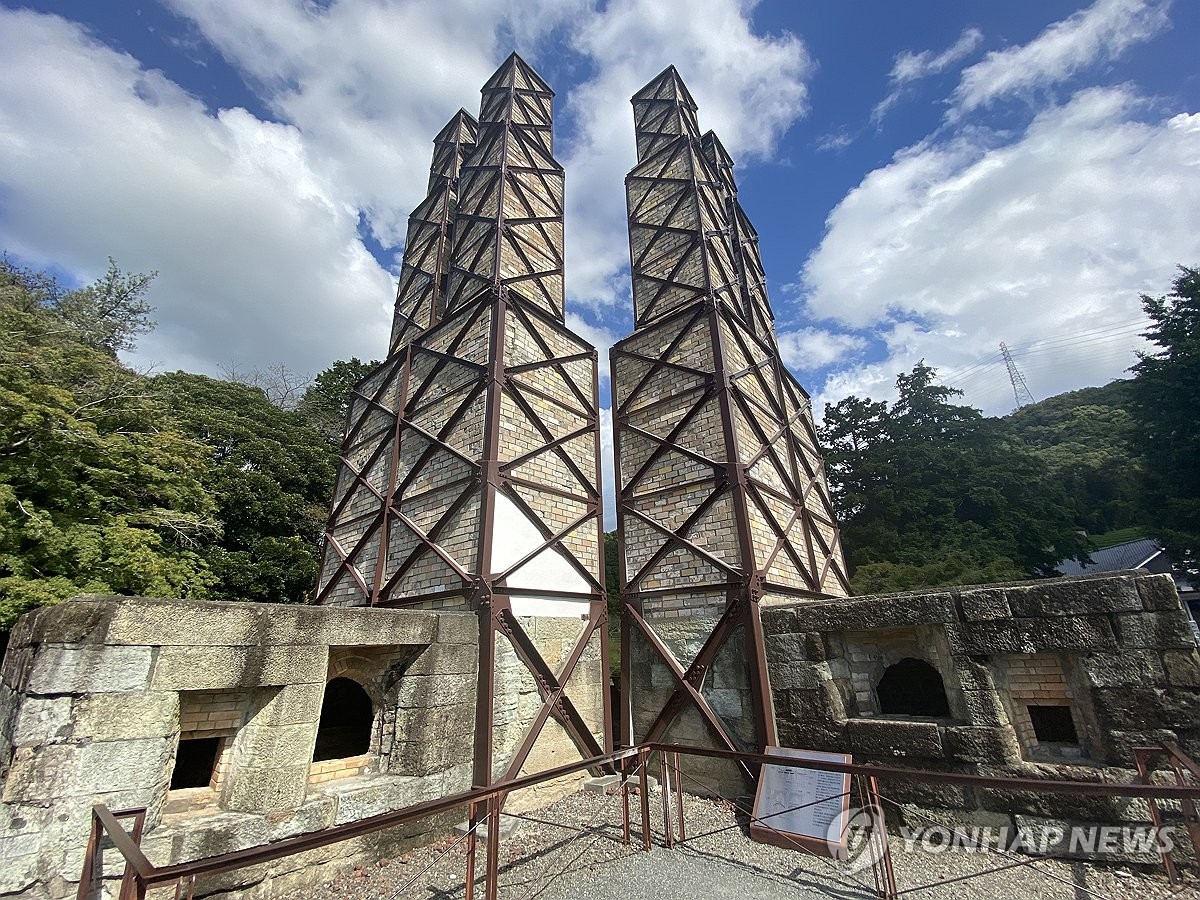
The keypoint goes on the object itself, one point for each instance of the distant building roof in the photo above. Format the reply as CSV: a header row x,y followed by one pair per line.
x,y
1130,555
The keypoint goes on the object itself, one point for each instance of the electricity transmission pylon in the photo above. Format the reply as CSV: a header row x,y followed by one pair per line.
x,y
1020,388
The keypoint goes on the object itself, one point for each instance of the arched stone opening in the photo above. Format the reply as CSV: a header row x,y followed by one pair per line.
x,y
347,716
912,687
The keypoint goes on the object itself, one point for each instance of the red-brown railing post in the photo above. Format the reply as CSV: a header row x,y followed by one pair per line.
x,y
625,800
678,793
86,879
1140,755
643,761
880,825
495,802
664,786
472,826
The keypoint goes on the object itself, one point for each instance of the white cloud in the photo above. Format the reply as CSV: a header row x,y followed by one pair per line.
x,y
955,246
750,88
1099,33
254,225
258,251
370,83
909,67
810,349
608,470
599,337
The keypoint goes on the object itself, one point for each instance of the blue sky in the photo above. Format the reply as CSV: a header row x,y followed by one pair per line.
x,y
928,179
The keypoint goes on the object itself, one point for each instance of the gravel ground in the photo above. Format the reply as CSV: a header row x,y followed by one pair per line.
x,y
574,850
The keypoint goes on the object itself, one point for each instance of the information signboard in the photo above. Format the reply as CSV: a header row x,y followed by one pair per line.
x,y
805,807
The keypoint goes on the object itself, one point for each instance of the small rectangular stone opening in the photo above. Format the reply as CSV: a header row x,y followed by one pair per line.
x,y
1053,725
195,763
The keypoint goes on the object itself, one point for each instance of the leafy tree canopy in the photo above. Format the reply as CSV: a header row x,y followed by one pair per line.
x,y
932,493
270,475
1166,408
98,493
326,403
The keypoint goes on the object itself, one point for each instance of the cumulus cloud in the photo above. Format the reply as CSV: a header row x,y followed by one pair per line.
x,y
961,243
809,349
256,245
369,83
1102,32
909,67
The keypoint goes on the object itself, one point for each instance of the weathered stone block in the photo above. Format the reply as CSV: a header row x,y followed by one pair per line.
x,y
267,790
419,691
1120,744
927,794
1183,667
80,620
1169,629
1031,635
358,798
884,611
355,627
84,670
972,675
457,628
64,770
278,746
291,704
1143,707
1075,597
984,604
984,708
799,675
890,738
1080,807
1129,667
18,663
193,623
995,745
220,668
42,721
1158,593
20,870
115,717
446,659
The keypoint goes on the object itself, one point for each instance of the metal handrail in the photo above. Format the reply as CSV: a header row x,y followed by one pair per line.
x,y
1049,785
148,875
142,874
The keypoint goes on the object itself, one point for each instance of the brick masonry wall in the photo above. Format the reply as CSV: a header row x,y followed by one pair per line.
x,y
1117,648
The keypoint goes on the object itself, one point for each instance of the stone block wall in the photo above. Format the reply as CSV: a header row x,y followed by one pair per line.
x,y
1100,665
97,693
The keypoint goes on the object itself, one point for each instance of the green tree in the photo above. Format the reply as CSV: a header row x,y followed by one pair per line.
x,y
98,493
270,475
612,573
109,314
327,401
1084,439
1166,407
931,493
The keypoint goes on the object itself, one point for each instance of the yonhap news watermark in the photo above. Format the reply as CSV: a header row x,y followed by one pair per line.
x,y
864,824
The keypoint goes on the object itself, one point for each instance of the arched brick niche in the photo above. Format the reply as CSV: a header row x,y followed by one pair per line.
x,y
912,687
900,673
347,721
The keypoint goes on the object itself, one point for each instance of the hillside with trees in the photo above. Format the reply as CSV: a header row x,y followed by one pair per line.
x,y
113,481
931,493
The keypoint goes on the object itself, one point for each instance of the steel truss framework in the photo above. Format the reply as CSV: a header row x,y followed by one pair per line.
x,y
722,495
482,424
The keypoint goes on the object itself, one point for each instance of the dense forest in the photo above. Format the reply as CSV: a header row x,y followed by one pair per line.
x,y
175,484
